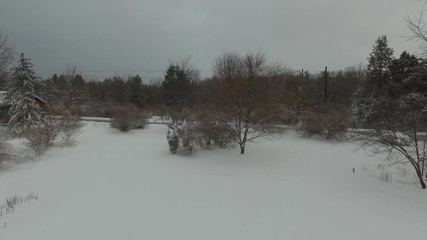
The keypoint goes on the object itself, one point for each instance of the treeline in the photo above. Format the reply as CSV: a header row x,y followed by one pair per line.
x,y
181,84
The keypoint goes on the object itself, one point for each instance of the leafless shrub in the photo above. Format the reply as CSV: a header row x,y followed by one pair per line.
x,y
9,205
221,136
194,128
335,124
69,128
40,138
311,124
189,138
210,132
129,118
330,122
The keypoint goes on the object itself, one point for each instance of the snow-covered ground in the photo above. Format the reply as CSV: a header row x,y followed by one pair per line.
x,y
113,185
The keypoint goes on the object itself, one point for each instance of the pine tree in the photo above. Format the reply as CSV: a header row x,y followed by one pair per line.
x,y
408,74
135,91
21,88
370,101
379,62
176,86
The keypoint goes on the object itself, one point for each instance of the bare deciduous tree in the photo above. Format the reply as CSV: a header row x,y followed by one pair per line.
x,y
416,24
244,100
73,95
401,134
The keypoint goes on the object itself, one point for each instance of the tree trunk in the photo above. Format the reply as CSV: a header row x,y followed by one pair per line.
x,y
420,177
242,149
423,184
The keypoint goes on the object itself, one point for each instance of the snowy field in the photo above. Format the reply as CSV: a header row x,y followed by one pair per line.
x,y
128,186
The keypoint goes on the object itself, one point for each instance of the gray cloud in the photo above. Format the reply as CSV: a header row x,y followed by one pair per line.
x,y
103,37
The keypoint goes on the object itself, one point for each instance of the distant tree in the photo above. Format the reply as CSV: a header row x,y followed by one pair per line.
x,y
6,57
298,95
342,84
176,85
416,25
152,93
115,90
74,92
135,91
244,100
21,86
408,75
379,62
370,100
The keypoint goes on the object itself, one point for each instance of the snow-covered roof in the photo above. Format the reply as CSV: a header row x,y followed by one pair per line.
x,y
3,97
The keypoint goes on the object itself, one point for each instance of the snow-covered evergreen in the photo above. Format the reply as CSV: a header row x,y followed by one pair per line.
x,y
370,101
21,88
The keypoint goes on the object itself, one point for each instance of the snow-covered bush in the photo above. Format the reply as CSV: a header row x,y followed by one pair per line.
x,y
69,128
173,139
189,137
41,138
129,118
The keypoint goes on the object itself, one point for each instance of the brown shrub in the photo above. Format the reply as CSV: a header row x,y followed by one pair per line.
x,y
330,122
69,128
129,118
40,138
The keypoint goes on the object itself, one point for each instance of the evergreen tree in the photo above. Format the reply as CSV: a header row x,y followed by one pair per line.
x,y
370,101
21,88
379,62
135,91
409,75
176,86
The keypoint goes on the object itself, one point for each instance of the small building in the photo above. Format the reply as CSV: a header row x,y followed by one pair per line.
x,y
4,106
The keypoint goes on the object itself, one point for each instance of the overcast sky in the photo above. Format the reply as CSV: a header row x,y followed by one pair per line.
x,y
104,37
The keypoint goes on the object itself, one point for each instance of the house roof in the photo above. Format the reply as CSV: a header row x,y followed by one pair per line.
x,y
3,97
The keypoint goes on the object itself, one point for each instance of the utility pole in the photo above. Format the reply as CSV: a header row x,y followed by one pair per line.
x,y
326,87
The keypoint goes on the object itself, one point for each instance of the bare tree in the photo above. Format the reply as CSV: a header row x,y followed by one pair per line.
x,y
193,74
6,57
416,24
244,100
73,95
401,134
298,98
